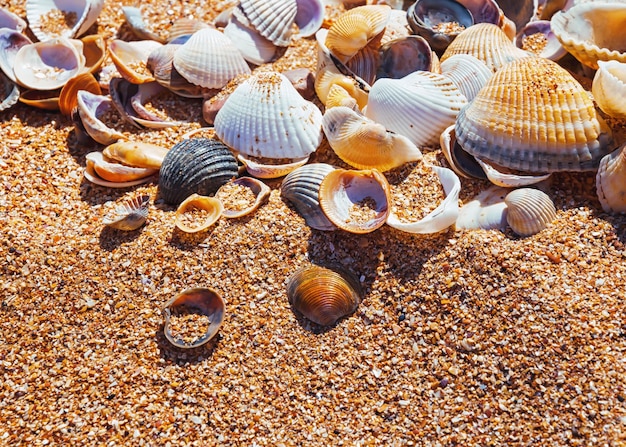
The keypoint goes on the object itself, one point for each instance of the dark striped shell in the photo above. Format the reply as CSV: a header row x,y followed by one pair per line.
x,y
196,165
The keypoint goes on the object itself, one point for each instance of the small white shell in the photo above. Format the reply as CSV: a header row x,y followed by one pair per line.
x,y
271,18
46,17
11,21
609,88
130,214
486,211
255,48
611,181
468,73
529,211
135,20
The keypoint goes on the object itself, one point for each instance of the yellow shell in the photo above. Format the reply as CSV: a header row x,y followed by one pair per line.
x,y
611,181
116,174
136,153
68,99
339,96
609,88
529,211
209,210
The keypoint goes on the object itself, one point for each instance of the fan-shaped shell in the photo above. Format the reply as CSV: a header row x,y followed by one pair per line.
x,y
255,48
266,117
468,73
529,211
273,19
196,165
90,108
10,43
339,96
131,59
242,196
533,116
209,59
197,213
323,295
611,181
49,19
301,188
185,27
364,143
161,65
609,88
130,214
419,106
486,211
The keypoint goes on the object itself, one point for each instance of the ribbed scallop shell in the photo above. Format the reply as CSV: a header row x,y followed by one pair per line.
x,y
273,19
209,59
488,43
533,116
609,88
160,63
44,17
301,188
339,96
592,31
130,214
188,219
254,48
468,73
419,106
266,117
196,165
529,211
364,143
611,181
323,295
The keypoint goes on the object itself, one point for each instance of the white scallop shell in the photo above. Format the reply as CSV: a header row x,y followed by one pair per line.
x,y
467,72
273,19
529,211
486,211
79,16
309,16
611,181
266,117
419,106
609,88
255,48
209,59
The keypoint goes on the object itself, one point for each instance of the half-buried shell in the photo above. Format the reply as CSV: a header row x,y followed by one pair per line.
x,y
130,214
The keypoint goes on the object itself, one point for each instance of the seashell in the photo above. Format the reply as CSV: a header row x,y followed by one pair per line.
x,y
10,43
592,31
151,117
68,97
266,117
185,27
364,64
301,188
419,106
49,19
47,65
198,301
484,11
339,96
131,59
90,108
397,27
41,99
503,177
271,18
441,217
11,21
537,38
364,143
547,8
9,92
486,211
242,196
196,165
130,214
519,120
324,295
459,160
160,64
140,29
114,175
355,201
95,52
136,153
264,168
468,73
438,21
403,56
609,88
529,211
254,48
520,12
209,59
611,181
197,213
356,28
309,16
488,43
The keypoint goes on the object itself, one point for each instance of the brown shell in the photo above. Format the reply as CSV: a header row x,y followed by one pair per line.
x,y
210,210
68,96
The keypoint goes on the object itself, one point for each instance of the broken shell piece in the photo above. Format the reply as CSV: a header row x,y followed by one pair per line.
x,y
193,317
68,98
95,52
459,160
529,211
131,59
273,19
10,43
11,20
130,214
136,153
114,175
140,29
9,91
611,181
500,177
197,213
90,108
41,99
242,196
486,211
609,88
151,117
270,168
49,19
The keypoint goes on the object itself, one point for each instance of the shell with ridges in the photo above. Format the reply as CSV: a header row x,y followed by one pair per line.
x,y
130,214
259,190
78,16
271,18
211,210
161,65
339,96
468,73
609,88
611,181
529,211
255,48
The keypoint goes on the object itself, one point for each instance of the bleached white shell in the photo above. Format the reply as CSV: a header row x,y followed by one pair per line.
x,y
309,16
273,19
611,181
10,43
529,211
140,28
419,106
130,214
468,73
255,48
9,92
501,177
209,59
266,117
260,168
79,16
11,21
486,211
609,88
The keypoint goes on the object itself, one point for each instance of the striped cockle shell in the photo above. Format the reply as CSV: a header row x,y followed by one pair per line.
x,y
468,73
130,214
339,96
273,19
254,48
609,88
529,211
611,181
532,115
161,65
266,117
48,19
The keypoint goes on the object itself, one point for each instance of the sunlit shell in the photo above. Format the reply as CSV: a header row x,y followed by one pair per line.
x,y
364,143
520,12
534,116
196,165
186,27
339,96
237,204
488,43
10,43
273,19
364,64
68,98
136,153
468,73
255,48
324,295
529,211
11,20
48,19
309,16
209,59
397,27
9,91
197,213
197,302
419,106
266,117
464,164
131,59
268,168
508,178
355,28
355,201
485,11
402,56
301,188
114,175
91,107
140,28
130,214
95,52
609,88
160,63
41,99
592,31
486,211
537,37
611,181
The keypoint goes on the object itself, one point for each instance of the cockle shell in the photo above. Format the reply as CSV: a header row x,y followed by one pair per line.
x,y
323,294
486,211
238,207
364,143
419,106
529,211
114,175
339,96
136,153
130,214
609,88
185,27
468,73
196,165
611,181
210,211
9,91
90,108
254,48
11,21
161,65
271,18
49,19
10,43
301,188
131,59
534,116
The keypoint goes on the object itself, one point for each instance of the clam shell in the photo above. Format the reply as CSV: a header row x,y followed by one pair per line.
x,y
196,165
364,143
486,211
266,117
95,52
301,188
68,98
533,116
537,37
237,204
196,301
309,16
261,168
611,181
609,88
10,92
592,31
254,48
136,153
529,211
468,73
10,43
419,106
506,179
146,116
271,18
131,59
90,108
324,295
140,29
209,59
459,160
403,56
355,201
49,19
209,208
130,214
11,21
161,65
41,99
114,175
